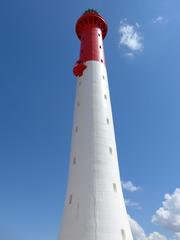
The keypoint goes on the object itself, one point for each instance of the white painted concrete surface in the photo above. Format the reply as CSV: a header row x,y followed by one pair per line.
x,y
94,205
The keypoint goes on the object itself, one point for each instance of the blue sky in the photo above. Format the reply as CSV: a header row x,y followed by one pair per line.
x,y
38,48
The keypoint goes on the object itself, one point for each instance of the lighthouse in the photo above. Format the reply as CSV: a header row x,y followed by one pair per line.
x,y
94,205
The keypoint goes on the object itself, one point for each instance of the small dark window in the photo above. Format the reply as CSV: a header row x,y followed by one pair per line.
x,y
110,150
107,120
76,129
103,77
101,60
123,234
114,187
99,34
70,199
100,46
74,160
105,96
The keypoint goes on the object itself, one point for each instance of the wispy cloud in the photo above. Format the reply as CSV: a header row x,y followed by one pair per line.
x,y
131,38
177,236
130,203
129,55
130,187
167,216
139,233
159,19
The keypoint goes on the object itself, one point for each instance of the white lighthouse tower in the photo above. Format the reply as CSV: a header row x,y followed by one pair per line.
x,y
94,205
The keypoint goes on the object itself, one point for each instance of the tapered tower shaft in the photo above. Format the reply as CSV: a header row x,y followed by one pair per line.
x,y
94,205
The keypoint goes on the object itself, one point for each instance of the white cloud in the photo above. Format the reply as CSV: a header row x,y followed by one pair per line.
x,y
130,36
168,216
177,236
139,234
130,187
137,25
130,203
159,19
156,236
129,55
137,231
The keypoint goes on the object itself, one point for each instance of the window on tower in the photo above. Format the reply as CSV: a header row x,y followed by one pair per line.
x,y
76,129
114,187
70,199
74,160
110,150
123,234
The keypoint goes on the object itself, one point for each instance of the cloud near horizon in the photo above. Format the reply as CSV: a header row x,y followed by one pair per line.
x,y
139,234
168,215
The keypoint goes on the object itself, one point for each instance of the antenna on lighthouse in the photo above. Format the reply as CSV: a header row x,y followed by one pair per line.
x,y
94,205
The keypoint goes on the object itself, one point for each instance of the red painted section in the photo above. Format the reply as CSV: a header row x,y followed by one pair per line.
x,y
79,69
91,45
91,29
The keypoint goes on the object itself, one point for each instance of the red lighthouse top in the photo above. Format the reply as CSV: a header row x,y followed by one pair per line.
x,y
91,29
91,18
